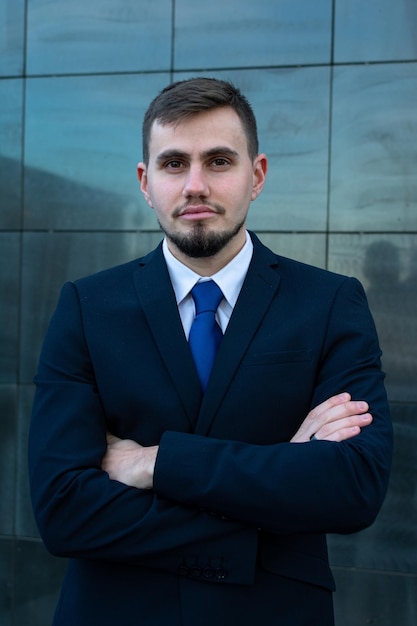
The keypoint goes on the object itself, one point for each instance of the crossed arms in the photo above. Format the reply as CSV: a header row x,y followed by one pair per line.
x,y
337,419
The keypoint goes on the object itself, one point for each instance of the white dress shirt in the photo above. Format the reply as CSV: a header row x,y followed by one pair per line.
x,y
230,280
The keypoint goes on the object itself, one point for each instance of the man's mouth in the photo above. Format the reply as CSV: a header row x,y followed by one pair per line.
x,y
195,212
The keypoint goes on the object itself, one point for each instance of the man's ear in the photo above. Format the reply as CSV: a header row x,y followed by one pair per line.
x,y
143,180
260,168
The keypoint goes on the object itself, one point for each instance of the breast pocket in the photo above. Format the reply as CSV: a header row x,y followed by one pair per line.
x,y
277,358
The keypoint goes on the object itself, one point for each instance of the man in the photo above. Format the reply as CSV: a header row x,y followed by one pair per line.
x,y
185,497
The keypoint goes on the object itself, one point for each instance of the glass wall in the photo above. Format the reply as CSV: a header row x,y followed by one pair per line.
x,y
334,87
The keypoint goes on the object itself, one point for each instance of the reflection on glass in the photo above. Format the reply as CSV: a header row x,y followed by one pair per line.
x,y
393,301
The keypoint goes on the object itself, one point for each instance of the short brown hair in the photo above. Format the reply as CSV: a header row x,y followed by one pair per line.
x,y
185,98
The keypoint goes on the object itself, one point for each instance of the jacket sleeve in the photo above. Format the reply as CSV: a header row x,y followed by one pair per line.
x,y
80,512
317,486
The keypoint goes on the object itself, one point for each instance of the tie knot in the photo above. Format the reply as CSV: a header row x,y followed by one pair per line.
x,y
207,296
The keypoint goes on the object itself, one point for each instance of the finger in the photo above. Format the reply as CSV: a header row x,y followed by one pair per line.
x,y
328,405
342,435
341,409
336,413
339,430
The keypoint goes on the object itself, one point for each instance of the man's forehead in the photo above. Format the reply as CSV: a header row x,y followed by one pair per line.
x,y
208,126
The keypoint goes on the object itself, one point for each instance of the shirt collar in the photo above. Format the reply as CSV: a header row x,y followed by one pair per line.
x,y
230,278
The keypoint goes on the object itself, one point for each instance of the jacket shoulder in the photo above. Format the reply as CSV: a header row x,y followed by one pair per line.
x,y
114,276
311,272
292,268
317,284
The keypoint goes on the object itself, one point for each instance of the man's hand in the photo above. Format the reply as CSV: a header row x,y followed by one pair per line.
x,y
336,419
129,462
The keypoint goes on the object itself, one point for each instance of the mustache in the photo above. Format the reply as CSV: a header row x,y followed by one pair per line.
x,y
218,208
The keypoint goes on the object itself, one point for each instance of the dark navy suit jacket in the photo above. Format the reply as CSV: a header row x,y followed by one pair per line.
x,y
234,530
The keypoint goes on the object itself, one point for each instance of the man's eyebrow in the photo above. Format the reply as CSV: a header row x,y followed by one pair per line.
x,y
171,154
212,152
220,150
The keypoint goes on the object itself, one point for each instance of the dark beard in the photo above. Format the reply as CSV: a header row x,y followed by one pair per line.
x,y
201,243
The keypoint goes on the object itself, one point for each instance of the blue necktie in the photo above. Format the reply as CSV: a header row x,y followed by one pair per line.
x,y
205,334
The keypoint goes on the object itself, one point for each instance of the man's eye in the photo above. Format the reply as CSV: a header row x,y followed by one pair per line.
x,y
173,165
220,162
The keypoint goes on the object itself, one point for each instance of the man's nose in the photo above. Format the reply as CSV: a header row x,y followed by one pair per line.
x,y
196,183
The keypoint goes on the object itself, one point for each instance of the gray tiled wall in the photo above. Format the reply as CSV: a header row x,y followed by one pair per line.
x,y
334,87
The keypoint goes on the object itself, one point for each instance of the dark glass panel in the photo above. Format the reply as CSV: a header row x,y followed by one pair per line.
x,y
11,94
374,148
8,419
375,31
243,33
9,309
83,141
12,15
98,36
38,581
371,597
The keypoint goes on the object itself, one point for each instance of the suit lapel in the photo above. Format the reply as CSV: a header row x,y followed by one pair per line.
x,y
156,295
259,288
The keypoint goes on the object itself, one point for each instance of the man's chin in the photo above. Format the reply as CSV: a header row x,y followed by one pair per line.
x,y
203,243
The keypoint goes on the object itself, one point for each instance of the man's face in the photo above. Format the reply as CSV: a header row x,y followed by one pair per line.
x,y
200,182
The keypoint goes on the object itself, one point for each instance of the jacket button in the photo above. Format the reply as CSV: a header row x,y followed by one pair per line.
x,y
208,572
221,573
195,572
